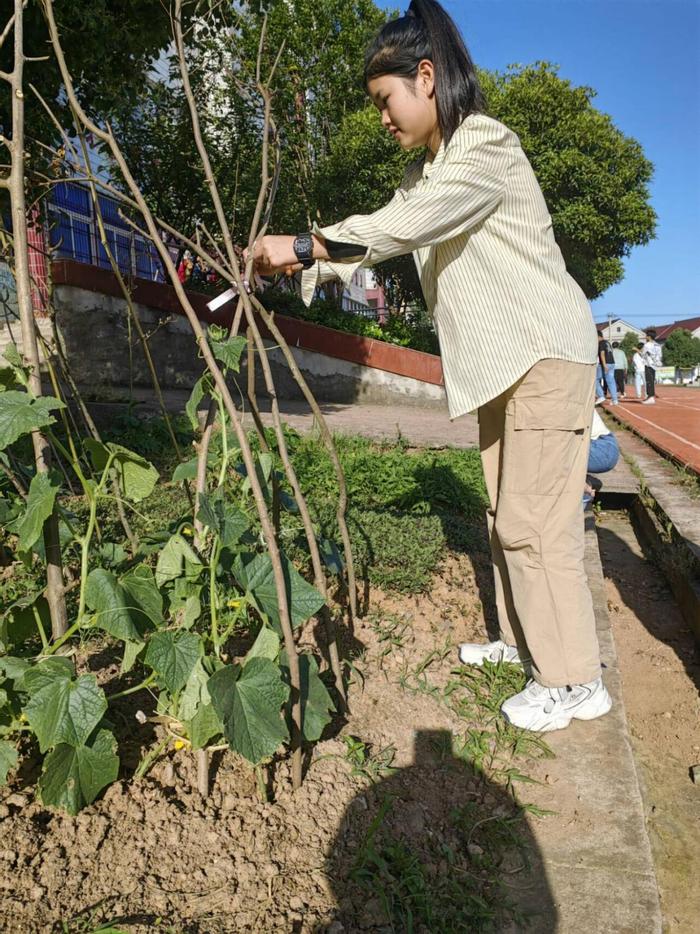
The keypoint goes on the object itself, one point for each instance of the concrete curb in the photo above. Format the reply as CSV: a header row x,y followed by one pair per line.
x,y
600,870
667,520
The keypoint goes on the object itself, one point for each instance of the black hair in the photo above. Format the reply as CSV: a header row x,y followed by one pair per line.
x,y
651,333
640,344
616,343
427,31
600,333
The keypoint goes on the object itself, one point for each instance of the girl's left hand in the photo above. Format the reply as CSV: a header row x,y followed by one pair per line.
x,y
274,254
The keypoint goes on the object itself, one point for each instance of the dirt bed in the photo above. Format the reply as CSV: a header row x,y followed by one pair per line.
x,y
660,666
153,855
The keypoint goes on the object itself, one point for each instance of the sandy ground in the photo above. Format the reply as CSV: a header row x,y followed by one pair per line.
x,y
660,666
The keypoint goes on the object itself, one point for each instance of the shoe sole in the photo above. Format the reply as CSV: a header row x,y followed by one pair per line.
x,y
480,663
602,706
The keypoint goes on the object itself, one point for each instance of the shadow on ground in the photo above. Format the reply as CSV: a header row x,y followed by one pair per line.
x,y
436,847
648,598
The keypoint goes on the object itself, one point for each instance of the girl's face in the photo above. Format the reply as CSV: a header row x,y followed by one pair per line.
x,y
408,108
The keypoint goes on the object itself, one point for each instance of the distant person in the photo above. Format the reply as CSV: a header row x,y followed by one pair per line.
x,y
651,353
621,364
638,364
606,371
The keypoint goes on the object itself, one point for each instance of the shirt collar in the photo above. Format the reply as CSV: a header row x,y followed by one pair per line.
x,y
430,166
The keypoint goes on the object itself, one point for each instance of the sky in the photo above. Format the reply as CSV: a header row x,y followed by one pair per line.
x,y
643,59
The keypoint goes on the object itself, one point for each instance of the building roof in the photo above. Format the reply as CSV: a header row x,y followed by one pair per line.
x,y
690,324
609,321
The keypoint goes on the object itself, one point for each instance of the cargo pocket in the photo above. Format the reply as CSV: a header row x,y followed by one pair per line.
x,y
543,445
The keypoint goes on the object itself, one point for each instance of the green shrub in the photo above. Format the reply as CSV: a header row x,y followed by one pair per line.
x,y
396,330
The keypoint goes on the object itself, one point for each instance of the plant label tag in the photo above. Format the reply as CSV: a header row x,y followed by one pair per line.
x,y
220,300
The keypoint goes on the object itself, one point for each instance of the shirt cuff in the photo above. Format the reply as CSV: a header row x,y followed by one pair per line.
x,y
309,282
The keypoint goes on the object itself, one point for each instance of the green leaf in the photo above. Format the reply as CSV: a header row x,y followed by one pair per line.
x,y
110,603
112,553
20,413
267,645
186,471
331,556
185,606
64,711
170,560
257,577
316,702
195,691
16,668
204,726
8,759
172,655
263,469
137,476
199,391
195,709
132,650
228,521
73,777
18,623
42,494
145,600
99,455
44,674
248,701
229,351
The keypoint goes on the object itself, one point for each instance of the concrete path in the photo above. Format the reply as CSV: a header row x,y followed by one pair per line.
x,y
420,427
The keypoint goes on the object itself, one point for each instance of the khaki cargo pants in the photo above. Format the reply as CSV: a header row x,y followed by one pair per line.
x,y
534,440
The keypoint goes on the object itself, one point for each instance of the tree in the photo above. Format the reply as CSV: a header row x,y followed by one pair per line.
x,y
109,46
318,82
594,178
681,349
629,344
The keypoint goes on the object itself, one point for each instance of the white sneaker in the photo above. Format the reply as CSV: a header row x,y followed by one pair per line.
x,y
543,709
476,653
600,400
650,401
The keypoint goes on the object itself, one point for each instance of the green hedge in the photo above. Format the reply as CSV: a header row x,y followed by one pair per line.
x,y
322,311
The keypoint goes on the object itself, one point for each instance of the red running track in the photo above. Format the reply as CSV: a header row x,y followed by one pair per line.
x,y
672,425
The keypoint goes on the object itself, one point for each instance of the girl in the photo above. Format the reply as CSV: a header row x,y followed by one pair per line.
x,y
471,212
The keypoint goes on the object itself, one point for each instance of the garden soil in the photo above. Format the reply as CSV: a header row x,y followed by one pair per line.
x,y
156,856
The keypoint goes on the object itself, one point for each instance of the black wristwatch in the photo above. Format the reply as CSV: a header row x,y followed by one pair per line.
x,y
304,250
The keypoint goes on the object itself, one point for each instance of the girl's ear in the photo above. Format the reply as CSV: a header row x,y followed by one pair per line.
x,y
425,77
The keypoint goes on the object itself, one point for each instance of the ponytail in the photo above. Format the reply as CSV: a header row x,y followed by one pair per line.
x,y
427,31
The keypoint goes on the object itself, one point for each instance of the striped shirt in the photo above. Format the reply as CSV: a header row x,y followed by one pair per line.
x,y
492,274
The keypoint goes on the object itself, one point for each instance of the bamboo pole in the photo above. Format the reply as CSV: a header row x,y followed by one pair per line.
x,y
55,587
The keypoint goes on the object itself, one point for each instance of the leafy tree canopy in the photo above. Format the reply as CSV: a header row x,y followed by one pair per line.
x,y
109,46
681,349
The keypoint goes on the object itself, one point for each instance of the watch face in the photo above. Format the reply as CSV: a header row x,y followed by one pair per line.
x,y
304,245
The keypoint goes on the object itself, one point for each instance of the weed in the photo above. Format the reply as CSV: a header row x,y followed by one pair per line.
x,y
466,896
367,763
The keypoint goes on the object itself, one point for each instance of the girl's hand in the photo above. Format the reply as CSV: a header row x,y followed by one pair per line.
x,y
274,254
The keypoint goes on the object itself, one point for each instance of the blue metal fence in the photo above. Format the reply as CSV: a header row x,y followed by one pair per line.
x,y
74,234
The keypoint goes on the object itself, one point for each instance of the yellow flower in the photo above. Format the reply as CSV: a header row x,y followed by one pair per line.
x,y
234,603
187,530
179,744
